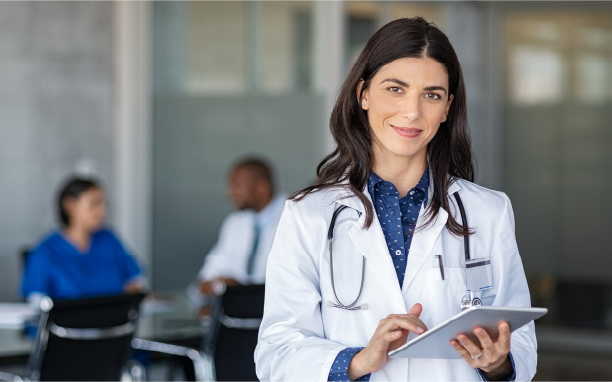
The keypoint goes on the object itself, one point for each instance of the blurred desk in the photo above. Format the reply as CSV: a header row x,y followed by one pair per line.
x,y
164,317
170,317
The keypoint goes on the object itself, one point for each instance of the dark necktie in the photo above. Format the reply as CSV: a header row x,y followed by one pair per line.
x,y
251,260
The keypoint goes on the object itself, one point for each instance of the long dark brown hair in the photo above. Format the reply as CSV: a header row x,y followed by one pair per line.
x,y
449,153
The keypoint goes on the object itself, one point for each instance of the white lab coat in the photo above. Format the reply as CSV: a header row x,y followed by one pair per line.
x,y
229,256
300,336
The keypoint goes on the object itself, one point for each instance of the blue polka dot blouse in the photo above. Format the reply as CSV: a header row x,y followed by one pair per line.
x,y
398,216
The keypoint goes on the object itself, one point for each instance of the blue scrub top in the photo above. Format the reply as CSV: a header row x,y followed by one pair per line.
x,y
59,270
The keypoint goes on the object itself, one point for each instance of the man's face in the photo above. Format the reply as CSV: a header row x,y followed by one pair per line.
x,y
242,188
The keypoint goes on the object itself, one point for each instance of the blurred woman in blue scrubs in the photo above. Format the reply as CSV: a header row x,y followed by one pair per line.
x,y
82,258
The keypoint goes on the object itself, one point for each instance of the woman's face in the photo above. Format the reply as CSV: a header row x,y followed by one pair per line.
x,y
88,211
406,102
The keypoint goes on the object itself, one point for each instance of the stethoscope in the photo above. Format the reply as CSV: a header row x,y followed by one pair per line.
x,y
467,301
330,242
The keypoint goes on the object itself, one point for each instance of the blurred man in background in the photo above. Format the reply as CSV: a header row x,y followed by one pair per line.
x,y
239,257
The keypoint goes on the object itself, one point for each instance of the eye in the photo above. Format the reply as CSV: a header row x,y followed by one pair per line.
x,y
395,89
434,96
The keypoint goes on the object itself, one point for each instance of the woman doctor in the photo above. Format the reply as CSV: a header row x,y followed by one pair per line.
x,y
403,150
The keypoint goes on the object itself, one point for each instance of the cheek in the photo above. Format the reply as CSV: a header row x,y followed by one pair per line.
x,y
434,116
382,110
238,193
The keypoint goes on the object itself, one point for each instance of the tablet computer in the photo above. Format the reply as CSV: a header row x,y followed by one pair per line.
x,y
435,343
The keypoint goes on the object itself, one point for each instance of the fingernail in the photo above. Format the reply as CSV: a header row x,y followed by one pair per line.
x,y
420,330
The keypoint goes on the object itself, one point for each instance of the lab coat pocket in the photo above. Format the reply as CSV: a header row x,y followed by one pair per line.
x,y
443,296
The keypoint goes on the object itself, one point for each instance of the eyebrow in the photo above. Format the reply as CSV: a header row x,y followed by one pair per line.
x,y
402,83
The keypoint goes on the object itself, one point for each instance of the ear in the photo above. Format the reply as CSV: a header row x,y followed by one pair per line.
x,y
448,105
362,98
68,204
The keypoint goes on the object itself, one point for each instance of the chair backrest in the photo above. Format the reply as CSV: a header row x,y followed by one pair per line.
x,y
237,320
85,339
23,258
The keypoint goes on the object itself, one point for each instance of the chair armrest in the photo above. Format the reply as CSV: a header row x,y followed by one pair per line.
x,y
202,364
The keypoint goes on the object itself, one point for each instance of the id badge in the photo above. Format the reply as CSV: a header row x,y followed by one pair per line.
x,y
478,274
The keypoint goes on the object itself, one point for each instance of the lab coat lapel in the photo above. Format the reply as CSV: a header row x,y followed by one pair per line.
x,y
371,243
425,238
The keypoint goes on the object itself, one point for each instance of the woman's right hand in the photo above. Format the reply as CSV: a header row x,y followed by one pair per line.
x,y
391,333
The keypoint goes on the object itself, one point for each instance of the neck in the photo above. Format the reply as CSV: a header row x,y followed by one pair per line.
x,y
403,172
79,235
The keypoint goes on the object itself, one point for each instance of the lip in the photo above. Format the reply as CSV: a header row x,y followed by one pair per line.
x,y
408,132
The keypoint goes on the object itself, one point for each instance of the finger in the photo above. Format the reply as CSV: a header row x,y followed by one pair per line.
x,y
395,318
485,340
416,310
411,318
410,323
462,351
470,346
395,323
503,342
392,336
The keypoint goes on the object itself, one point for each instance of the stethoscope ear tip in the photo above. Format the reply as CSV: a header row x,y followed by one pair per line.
x,y
330,304
364,306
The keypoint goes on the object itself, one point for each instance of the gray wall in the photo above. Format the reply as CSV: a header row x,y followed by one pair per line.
x,y
196,141
55,114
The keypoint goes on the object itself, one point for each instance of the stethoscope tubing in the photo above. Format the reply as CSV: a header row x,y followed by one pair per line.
x,y
466,237
330,239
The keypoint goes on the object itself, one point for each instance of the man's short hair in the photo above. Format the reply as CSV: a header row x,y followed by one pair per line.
x,y
259,167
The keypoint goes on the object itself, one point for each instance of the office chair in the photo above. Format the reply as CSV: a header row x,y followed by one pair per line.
x,y
237,315
23,258
84,340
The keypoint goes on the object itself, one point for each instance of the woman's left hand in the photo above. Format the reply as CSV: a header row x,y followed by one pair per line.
x,y
493,358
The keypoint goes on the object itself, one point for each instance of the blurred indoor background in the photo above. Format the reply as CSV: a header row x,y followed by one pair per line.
x,y
158,99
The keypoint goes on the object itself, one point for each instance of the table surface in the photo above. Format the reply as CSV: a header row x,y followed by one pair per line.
x,y
165,317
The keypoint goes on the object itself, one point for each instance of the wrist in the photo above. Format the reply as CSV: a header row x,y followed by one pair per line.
x,y
358,368
495,372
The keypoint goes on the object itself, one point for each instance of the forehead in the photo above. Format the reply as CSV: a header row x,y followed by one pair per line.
x,y
415,70
94,192
241,174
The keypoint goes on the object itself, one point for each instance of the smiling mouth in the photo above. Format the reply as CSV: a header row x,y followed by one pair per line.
x,y
408,132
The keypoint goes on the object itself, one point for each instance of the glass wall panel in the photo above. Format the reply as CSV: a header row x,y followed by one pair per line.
x,y
559,161
231,79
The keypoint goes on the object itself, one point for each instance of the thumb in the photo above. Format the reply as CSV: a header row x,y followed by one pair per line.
x,y
416,309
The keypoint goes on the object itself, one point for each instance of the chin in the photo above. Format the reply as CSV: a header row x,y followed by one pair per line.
x,y
96,228
408,152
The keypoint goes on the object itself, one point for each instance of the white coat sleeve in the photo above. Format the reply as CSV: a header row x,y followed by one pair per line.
x,y
221,260
292,344
512,290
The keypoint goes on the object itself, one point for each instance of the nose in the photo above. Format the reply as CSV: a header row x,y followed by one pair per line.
x,y
411,107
